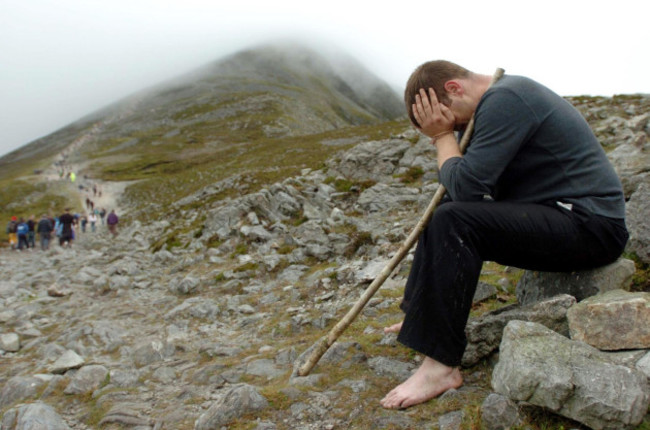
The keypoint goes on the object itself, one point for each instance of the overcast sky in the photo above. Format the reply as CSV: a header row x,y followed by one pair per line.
x,y
62,59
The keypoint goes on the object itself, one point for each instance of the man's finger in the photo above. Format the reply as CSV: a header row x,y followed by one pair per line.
x,y
419,108
424,99
417,115
433,97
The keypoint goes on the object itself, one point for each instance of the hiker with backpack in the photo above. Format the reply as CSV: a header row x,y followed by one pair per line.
x,y
112,221
44,229
66,221
21,231
31,234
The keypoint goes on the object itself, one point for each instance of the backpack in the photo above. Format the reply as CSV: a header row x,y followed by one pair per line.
x,y
22,229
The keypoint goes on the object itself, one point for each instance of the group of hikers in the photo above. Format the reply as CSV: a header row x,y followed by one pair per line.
x,y
22,232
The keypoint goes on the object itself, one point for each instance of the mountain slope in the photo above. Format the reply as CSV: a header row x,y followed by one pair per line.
x,y
261,113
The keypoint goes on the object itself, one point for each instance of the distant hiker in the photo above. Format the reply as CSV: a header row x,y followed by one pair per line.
x,y
31,234
92,219
102,214
67,234
11,231
44,229
94,190
21,231
112,221
84,221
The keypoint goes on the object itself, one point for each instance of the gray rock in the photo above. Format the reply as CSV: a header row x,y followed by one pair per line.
x,y
33,416
234,402
7,289
164,374
535,286
374,160
612,321
69,360
357,386
484,333
20,388
10,342
631,163
186,286
264,367
87,379
371,270
396,369
451,420
638,222
163,256
499,413
8,317
484,291
119,282
382,197
256,233
124,416
124,378
393,421
573,379
150,352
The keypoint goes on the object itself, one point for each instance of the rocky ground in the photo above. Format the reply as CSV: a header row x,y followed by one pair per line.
x,y
204,331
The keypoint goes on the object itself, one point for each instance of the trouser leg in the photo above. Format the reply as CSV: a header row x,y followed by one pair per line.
x,y
461,235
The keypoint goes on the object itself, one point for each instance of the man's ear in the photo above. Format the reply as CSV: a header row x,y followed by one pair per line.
x,y
454,87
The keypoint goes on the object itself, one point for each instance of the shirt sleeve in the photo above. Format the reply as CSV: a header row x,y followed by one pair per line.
x,y
503,123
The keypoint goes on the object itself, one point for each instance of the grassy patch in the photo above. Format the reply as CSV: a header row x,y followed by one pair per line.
x,y
412,175
641,277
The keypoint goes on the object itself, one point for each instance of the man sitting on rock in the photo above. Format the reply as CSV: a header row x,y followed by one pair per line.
x,y
534,190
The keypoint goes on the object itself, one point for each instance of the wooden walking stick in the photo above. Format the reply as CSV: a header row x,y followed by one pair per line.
x,y
323,344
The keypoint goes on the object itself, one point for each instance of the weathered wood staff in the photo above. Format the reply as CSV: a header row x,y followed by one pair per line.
x,y
323,344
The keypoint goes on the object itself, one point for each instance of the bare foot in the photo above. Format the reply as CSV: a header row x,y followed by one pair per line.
x,y
395,328
430,380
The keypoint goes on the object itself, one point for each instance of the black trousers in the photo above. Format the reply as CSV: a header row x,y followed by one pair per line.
x,y
461,235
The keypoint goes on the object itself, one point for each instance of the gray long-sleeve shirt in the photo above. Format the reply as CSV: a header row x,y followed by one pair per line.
x,y
531,145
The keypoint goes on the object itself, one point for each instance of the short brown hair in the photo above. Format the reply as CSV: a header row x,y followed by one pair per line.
x,y
432,74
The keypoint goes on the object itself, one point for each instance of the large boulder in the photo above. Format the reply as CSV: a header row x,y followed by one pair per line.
x,y
535,286
541,367
484,332
612,321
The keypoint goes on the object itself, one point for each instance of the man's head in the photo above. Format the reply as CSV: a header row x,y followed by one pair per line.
x,y
432,74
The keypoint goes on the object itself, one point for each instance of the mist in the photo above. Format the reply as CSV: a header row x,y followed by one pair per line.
x,y
62,60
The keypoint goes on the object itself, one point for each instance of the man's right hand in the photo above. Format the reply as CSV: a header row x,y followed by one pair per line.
x,y
434,118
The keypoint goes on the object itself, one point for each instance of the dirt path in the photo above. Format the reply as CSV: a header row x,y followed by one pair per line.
x,y
103,194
